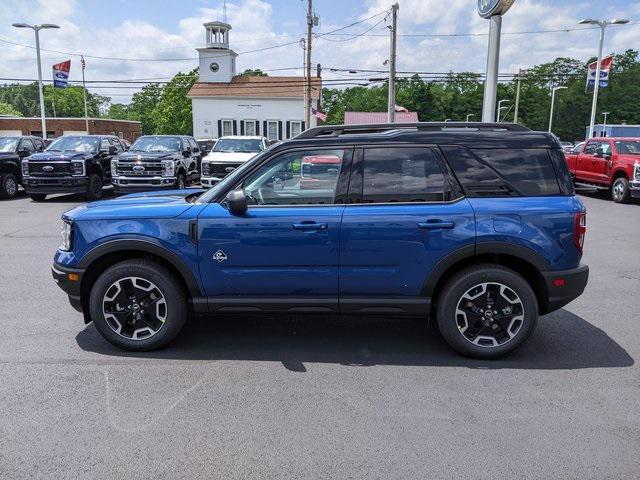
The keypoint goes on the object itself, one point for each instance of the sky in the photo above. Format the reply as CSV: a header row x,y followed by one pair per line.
x,y
166,33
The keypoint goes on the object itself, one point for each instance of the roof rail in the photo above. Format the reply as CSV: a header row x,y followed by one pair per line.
x,y
337,130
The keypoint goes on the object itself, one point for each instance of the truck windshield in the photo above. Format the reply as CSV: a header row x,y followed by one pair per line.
x,y
157,144
75,144
8,144
628,147
250,145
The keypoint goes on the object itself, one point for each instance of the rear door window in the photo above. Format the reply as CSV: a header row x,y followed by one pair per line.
x,y
401,175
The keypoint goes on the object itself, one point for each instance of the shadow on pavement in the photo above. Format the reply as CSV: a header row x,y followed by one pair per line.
x,y
562,341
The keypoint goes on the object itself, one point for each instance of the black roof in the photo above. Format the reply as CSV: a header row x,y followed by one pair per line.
x,y
474,135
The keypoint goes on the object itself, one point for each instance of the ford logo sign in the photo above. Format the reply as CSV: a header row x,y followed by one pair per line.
x,y
138,168
61,75
47,168
489,8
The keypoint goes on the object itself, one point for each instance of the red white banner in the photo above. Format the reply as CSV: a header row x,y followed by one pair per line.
x,y
605,68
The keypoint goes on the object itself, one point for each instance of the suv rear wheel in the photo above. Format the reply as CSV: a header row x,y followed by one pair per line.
x,y
8,185
486,311
138,305
181,181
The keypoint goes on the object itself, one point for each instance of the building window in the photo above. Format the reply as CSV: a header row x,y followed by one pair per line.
x,y
296,128
250,127
227,128
272,130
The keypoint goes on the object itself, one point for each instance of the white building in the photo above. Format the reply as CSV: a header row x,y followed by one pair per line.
x,y
228,104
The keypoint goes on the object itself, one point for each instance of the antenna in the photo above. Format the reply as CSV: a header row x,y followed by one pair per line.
x,y
224,11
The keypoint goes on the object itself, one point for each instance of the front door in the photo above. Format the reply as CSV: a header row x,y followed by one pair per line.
x,y
405,219
587,162
283,253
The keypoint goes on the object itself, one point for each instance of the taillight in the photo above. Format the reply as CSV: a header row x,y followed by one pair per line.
x,y
579,229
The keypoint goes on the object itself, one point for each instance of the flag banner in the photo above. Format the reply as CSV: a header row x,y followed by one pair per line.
x,y
605,68
61,74
318,114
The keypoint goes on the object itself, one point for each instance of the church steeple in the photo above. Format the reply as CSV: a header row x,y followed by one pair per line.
x,y
217,60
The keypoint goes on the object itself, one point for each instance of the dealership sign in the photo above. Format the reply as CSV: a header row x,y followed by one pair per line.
x,y
61,74
605,68
489,8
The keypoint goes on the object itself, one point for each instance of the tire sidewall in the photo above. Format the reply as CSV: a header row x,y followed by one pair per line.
x,y
6,179
459,285
626,193
181,182
170,289
94,187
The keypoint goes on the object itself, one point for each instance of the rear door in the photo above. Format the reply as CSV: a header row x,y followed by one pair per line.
x,y
404,216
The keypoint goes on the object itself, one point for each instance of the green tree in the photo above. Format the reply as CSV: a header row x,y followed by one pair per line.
x,y
173,114
142,107
118,111
254,73
6,109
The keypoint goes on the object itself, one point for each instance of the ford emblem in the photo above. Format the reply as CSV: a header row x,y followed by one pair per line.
x,y
47,168
138,168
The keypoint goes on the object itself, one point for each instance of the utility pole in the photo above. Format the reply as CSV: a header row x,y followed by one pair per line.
x,y
391,109
307,103
517,107
84,96
319,76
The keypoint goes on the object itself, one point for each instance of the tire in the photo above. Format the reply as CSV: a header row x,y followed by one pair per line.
x,y
620,191
94,187
38,197
8,186
181,182
469,331
111,309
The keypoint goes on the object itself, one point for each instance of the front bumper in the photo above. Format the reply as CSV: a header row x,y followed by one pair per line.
x,y
634,189
564,286
69,280
49,185
209,181
141,184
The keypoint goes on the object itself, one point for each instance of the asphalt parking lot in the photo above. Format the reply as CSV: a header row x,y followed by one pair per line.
x,y
309,397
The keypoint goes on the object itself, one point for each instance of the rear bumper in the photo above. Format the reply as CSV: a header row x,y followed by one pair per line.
x,y
564,286
55,185
69,280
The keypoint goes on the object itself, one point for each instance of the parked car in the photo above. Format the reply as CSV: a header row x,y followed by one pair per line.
x,y
206,145
610,163
12,151
71,164
566,146
474,225
157,162
227,155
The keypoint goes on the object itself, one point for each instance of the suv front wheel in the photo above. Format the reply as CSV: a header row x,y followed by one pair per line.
x,y
138,305
486,311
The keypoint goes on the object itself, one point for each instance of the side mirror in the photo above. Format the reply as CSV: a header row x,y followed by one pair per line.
x,y
599,152
113,150
237,201
186,153
23,152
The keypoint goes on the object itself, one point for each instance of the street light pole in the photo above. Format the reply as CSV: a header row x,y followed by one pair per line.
x,y
553,102
500,108
604,127
469,116
36,29
603,24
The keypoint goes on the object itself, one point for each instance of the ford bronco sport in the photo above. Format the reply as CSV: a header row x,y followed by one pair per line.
x,y
474,225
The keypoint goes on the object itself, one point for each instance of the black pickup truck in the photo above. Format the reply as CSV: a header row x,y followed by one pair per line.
x,y
12,151
71,164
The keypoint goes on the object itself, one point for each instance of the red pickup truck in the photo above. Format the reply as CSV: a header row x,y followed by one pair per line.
x,y
612,163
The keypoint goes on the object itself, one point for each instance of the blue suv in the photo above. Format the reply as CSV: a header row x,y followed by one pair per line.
x,y
474,225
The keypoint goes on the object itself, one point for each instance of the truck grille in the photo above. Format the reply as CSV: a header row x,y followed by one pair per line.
x,y
139,169
49,169
218,170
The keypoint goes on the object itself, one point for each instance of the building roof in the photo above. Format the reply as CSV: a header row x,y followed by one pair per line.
x,y
53,119
367,118
260,87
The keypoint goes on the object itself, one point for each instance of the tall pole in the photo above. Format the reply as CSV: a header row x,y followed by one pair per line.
x,y
517,107
391,107
307,104
596,85
604,126
43,120
84,98
493,60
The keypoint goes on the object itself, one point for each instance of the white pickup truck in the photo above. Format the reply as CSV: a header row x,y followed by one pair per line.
x,y
227,155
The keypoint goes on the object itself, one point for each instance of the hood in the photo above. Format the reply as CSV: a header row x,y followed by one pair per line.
x,y
632,159
5,155
229,156
135,156
58,156
162,204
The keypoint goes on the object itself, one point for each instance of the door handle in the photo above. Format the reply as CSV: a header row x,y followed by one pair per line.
x,y
309,226
436,225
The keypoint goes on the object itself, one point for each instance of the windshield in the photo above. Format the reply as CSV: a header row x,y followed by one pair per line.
x,y
157,144
8,144
75,144
250,145
229,180
628,147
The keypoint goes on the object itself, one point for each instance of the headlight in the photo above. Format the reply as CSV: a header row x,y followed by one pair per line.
x,y
65,233
77,168
114,167
25,168
206,167
168,168
636,172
